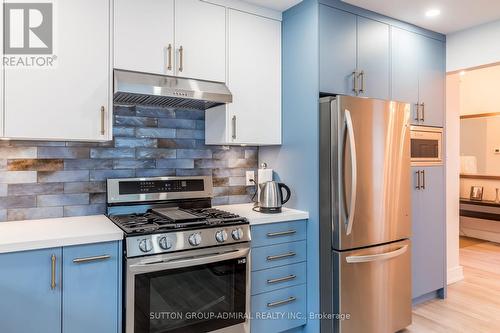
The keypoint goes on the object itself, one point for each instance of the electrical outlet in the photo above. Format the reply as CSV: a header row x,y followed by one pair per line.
x,y
250,178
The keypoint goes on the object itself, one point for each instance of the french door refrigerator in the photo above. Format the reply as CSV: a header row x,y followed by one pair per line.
x,y
365,215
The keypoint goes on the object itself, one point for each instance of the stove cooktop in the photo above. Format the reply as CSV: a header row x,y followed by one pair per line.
x,y
159,220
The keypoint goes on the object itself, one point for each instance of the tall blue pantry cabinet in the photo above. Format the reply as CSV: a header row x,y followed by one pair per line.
x,y
330,47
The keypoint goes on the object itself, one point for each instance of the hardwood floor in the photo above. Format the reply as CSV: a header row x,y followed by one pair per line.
x,y
472,305
469,241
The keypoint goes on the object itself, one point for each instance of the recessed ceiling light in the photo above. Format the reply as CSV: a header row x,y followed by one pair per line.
x,y
433,12
462,73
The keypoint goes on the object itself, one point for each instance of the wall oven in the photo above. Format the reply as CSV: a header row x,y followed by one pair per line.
x,y
426,145
204,290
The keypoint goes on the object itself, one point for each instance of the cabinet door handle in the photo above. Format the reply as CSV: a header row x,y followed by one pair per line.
x,y
91,259
103,120
169,60
362,76
234,127
281,256
423,112
53,272
181,59
418,187
417,112
282,279
423,179
282,302
281,233
355,82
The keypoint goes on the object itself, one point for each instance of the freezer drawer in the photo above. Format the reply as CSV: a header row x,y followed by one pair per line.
x,y
373,286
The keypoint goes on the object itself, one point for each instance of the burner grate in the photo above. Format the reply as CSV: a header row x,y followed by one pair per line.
x,y
164,219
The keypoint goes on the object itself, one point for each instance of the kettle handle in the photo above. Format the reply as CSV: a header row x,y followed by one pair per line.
x,y
288,193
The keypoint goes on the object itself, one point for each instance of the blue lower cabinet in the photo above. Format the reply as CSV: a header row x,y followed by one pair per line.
x,y
278,255
276,233
278,277
91,288
279,310
30,291
75,289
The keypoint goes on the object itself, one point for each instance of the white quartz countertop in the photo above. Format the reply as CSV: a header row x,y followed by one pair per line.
x,y
254,217
66,231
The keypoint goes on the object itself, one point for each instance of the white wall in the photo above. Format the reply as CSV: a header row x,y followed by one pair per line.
x,y
479,90
455,271
473,47
465,49
489,185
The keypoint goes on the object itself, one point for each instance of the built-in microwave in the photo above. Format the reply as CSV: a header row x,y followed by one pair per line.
x,y
426,145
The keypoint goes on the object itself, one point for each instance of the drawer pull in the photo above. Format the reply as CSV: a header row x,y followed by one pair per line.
x,y
282,279
281,256
281,233
169,60
103,120
91,259
53,272
282,302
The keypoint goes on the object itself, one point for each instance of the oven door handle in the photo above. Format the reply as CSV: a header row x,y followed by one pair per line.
x,y
155,266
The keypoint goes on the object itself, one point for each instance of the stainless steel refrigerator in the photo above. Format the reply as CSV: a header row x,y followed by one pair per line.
x,y
365,215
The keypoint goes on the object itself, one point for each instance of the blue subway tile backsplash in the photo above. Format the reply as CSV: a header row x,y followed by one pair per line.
x,y
44,179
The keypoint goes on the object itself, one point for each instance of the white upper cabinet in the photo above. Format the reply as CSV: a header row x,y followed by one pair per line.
x,y
200,40
70,101
254,79
144,36
173,37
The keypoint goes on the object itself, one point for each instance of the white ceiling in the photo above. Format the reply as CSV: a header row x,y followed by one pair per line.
x,y
455,14
280,5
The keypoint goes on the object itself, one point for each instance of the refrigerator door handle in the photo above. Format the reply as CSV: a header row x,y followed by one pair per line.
x,y
354,171
376,257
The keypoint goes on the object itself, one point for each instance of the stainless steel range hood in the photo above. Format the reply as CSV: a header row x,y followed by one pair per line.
x,y
168,91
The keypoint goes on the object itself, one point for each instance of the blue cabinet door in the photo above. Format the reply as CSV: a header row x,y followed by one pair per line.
x,y
432,80
91,288
337,50
418,75
405,68
373,58
416,233
428,236
30,291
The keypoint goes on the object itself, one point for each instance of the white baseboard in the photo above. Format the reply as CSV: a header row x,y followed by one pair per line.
x,y
455,274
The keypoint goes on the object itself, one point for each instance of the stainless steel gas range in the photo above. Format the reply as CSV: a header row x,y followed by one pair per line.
x,y
186,265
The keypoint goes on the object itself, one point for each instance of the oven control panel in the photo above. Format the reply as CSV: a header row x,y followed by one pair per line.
x,y
186,239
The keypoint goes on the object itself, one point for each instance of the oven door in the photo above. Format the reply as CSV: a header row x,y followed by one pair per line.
x,y
426,146
204,290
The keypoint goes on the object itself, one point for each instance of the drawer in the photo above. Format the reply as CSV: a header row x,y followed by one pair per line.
x,y
278,277
279,310
276,233
278,255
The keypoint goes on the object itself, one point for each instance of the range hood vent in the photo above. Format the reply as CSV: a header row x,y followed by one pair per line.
x,y
168,91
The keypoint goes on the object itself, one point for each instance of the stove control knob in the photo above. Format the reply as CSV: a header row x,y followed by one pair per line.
x,y
165,243
195,239
145,245
221,236
237,234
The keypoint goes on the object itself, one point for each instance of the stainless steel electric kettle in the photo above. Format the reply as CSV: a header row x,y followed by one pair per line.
x,y
271,197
